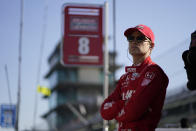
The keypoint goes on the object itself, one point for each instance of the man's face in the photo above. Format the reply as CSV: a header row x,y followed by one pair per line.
x,y
139,45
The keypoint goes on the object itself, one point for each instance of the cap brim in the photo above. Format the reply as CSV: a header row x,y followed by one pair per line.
x,y
130,31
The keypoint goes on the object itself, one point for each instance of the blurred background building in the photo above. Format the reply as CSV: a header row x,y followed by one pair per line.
x,y
177,107
76,94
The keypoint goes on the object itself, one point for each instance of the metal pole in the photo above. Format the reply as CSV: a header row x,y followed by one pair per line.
x,y
114,38
106,63
40,64
19,69
8,85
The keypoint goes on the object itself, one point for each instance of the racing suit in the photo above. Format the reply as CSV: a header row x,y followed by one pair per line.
x,y
137,101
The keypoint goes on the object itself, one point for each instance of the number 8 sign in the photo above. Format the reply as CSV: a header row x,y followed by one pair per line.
x,y
83,47
82,35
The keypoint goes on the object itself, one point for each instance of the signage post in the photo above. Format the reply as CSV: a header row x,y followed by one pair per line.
x,y
82,43
106,64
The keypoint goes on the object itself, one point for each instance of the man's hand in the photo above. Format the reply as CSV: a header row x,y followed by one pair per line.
x,y
193,39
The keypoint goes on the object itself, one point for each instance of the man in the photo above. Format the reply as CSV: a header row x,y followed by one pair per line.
x,y
189,58
137,101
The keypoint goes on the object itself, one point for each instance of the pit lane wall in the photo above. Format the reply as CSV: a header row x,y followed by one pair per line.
x,y
174,129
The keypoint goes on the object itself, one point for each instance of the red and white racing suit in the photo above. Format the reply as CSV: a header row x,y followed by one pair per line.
x,y
137,101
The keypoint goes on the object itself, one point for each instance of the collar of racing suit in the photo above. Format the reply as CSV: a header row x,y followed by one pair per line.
x,y
133,68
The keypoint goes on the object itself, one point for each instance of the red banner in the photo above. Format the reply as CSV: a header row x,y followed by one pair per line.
x,y
83,35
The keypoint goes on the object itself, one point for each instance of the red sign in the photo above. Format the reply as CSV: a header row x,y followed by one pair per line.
x,y
82,35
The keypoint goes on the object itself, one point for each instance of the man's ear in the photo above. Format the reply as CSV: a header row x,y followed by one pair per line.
x,y
152,45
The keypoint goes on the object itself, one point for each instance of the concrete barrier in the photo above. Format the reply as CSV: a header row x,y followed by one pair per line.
x,y
174,129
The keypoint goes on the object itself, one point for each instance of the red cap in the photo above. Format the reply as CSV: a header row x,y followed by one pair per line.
x,y
145,30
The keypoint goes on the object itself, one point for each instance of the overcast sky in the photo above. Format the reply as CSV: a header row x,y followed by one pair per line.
x,y
172,22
